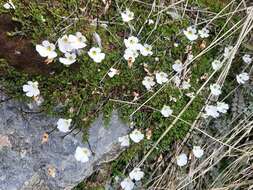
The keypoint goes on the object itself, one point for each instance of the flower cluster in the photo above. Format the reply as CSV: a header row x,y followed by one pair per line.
x,y
135,175
9,5
182,159
192,34
70,46
134,48
149,82
215,110
136,136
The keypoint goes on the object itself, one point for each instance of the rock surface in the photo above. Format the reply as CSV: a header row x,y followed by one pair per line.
x,y
28,163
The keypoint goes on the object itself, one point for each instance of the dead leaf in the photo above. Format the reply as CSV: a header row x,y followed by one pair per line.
x,y
202,45
130,62
149,133
45,138
48,61
51,171
146,69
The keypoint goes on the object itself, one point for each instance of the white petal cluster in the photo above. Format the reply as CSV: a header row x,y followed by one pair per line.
x,y
96,54
69,59
191,33
242,78
203,33
222,107
215,89
136,174
69,45
247,59
77,41
198,152
216,65
130,54
181,84
161,77
215,111
31,89
227,51
148,82
212,111
124,141
64,44
146,50
46,49
82,154
63,125
9,5
166,111
178,66
127,15
112,72
134,48
182,160
127,184
136,136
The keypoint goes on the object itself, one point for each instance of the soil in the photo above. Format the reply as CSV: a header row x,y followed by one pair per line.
x,y
19,51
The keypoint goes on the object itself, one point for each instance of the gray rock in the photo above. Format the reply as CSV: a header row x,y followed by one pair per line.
x,y
26,163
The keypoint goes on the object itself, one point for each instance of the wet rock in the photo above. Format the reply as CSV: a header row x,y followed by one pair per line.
x,y
29,162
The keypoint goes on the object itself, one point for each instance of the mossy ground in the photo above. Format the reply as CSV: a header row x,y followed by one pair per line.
x,y
84,90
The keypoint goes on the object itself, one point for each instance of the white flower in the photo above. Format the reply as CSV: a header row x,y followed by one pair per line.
x,y
46,49
185,85
216,64
178,66
189,57
191,33
136,136
197,151
77,41
69,59
96,55
242,78
113,72
177,81
222,107
127,184
161,77
132,42
127,15
182,160
31,89
9,5
130,54
148,82
63,125
176,44
136,174
215,89
227,51
124,140
166,111
247,59
64,44
146,50
150,21
82,154
212,111
204,33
